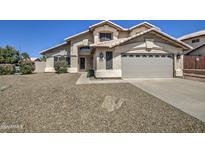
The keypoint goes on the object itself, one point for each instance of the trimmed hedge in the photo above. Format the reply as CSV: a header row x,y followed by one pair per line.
x,y
61,66
26,66
6,69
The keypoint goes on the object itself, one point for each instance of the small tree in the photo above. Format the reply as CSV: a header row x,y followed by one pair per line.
x,y
9,55
25,55
43,58
26,66
6,69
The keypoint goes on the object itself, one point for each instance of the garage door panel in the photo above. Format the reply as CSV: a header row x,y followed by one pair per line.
x,y
147,67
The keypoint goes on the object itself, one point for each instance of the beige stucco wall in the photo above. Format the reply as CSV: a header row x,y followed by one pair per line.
x,y
88,36
178,65
40,67
101,64
139,47
60,51
189,41
77,42
50,64
105,28
123,34
88,62
137,30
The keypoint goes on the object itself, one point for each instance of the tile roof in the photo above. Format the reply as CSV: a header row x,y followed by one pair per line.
x,y
158,32
56,46
109,23
195,34
144,24
108,43
117,42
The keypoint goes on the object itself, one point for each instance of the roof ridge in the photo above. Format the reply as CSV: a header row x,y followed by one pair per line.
x,y
142,23
104,21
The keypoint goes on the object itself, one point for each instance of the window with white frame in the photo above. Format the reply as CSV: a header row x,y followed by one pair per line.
x,y
105,37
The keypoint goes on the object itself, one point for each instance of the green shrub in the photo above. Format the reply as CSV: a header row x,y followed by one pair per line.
x,y
91,73
26,66
6,69
61,66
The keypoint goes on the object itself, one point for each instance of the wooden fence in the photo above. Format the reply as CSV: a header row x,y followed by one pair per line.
x,y
194,62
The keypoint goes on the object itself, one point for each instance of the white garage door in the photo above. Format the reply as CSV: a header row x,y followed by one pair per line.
x,y
147,66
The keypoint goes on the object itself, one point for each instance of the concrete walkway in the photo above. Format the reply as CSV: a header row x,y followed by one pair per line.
x,y
84,80
187,95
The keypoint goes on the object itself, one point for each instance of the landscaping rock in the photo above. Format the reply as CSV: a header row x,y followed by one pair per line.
x,y
4,87
49,102
112,103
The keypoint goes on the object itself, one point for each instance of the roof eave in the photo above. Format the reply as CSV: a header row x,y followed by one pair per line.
x,y
109,22
144,23
56,46
185,46
187,38
76,35
195,49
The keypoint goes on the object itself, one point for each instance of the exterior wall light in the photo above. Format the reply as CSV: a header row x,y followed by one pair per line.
x,y
101,55
178,55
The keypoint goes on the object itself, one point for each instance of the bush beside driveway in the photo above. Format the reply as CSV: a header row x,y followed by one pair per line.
x,y
54,103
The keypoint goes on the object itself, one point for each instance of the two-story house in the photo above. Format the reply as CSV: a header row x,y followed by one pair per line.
x,y
116,52
197,41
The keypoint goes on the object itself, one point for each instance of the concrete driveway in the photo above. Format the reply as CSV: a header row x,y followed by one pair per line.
x,y
187,95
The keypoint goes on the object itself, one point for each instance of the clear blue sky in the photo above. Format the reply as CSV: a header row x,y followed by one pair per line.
x,y
34,36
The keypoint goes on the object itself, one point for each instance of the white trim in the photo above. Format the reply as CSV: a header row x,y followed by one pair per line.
x,y
72,69
114,73
153,29
50,70
180,42
129,38
43,51
107,21
73,36
143,23
192,35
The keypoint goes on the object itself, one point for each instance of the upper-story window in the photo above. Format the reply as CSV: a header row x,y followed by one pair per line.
x,y
105,37
85,49
195,40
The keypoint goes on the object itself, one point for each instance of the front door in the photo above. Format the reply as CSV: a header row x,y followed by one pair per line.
x,y
108,60
82,63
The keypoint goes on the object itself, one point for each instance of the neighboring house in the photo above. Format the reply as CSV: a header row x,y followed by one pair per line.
x,y
115,52
197,41
198,51
35,59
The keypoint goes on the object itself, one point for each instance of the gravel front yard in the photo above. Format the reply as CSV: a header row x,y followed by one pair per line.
x,y
53,103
